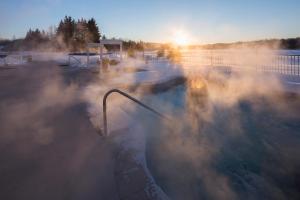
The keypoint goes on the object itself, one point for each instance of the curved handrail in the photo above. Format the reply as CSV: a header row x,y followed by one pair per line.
x,y
129,97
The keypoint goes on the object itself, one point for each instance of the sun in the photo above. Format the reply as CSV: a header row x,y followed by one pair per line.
x,y
180,38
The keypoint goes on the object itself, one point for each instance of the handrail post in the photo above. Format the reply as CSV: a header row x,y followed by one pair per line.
x,y
104,113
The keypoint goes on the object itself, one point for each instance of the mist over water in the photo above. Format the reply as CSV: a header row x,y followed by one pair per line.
x,y
234,137
234,134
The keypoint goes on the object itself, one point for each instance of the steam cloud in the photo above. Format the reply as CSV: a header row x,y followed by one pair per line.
x,y
190,152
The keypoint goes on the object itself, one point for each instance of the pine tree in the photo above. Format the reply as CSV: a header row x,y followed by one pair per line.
x,y
81,34
66,29
76,35
94,33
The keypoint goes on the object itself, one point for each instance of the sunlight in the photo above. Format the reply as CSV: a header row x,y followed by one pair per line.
x,y
180,38
197,84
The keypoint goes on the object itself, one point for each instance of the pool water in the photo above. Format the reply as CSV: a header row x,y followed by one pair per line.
x,y
246,150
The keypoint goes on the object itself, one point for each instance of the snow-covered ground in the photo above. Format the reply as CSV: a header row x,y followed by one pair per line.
x,y
62,58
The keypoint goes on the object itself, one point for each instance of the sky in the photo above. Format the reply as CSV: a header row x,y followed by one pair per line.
x,y
201,21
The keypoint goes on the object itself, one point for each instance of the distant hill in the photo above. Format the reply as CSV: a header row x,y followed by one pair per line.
x,y
289,43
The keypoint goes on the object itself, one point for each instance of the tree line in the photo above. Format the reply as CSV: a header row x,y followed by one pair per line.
x,y
70,34
289,43
76,34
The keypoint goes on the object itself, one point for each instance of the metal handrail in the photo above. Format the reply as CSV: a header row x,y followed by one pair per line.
x,y
129,97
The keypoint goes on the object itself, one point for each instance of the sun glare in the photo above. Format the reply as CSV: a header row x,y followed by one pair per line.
x,y
180,38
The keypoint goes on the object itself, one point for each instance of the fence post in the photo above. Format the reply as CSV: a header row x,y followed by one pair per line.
x,y
298,65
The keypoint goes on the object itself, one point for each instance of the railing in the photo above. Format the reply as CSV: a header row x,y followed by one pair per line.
x,y
11,58
239,60
78,61
283,64
129,97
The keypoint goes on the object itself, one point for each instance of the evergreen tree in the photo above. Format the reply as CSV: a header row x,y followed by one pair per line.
x,y
34,36
66,29
94,33
75,35
81,34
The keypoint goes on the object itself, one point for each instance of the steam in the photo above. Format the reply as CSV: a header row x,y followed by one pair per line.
x,y
27,118
122,77
192,143
201,132
188,146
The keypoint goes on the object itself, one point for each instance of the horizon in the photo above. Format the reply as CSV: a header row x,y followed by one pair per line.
x,y
198,23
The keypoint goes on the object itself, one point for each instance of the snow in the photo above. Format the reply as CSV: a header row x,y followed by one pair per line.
x,y
134,141
13,59
154,72
293,83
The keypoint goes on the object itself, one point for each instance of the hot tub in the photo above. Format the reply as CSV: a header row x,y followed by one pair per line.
x,y
246,148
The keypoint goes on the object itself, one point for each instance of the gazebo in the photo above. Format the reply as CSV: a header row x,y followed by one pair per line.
x,y
100,46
